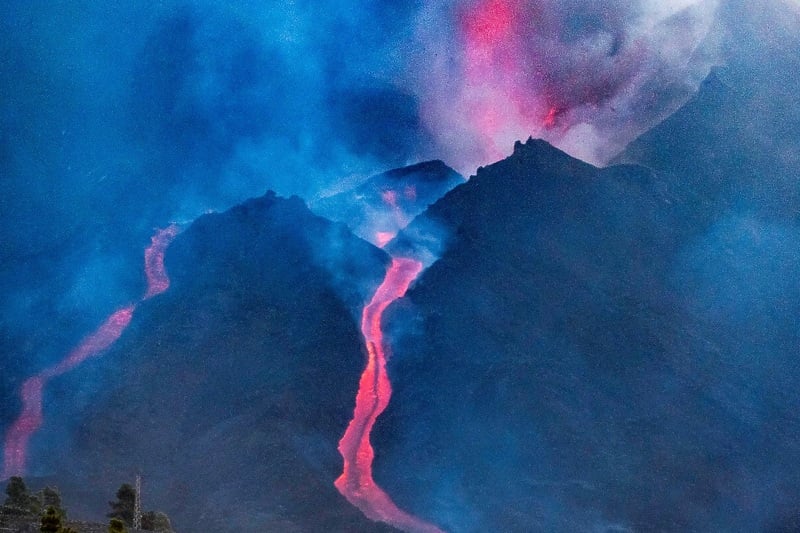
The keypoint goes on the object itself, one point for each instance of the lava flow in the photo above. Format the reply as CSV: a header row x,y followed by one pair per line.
x,y
374,390
30,419
157,279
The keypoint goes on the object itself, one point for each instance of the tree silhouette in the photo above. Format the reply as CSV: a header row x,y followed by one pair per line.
x,y
156,521
116,526
51,521
52,498
122,509
18,500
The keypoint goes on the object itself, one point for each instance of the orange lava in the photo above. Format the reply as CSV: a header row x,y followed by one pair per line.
x,y
29,420
157,280
15,450
382,238
374,390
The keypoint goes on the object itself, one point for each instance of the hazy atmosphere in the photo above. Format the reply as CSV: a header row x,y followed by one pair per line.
x,y
212,214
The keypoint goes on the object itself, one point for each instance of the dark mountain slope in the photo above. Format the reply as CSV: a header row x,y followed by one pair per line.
x,y
596,350
230,391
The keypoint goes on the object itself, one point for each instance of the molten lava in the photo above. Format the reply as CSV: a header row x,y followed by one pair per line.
x,y
95,343
382,238
374,390
30,419
157,280
16,442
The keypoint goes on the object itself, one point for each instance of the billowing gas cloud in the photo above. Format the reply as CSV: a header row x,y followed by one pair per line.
x,y
196,105
587,76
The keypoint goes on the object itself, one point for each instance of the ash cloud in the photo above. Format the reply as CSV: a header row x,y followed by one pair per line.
x,y
117,112
586,76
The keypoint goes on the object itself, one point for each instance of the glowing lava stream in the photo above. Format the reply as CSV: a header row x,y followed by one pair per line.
x,y
30,419
374,390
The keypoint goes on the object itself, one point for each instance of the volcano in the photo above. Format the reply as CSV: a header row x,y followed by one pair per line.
x,y
611,348
546,346
589,363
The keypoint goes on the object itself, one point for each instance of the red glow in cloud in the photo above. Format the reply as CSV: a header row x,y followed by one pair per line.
x,y
550,118
374,390
389,197
501,98
382,238
487,24
579,74
15,450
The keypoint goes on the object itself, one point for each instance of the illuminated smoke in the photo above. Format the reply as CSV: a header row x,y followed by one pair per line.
x,y
586,76
30,419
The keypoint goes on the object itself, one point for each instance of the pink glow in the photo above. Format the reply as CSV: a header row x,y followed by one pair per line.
x,y
30,419
374,391
496,100
550,118
106,335
16,442
157,279
487,23
389,197
398,219
382,238
15,450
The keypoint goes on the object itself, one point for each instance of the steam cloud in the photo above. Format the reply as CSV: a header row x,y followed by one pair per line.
x,y
587,76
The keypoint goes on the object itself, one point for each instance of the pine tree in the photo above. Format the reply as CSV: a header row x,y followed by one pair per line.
x,y
51,521
123,507
52,498
18,500
156,521
16,492
116,526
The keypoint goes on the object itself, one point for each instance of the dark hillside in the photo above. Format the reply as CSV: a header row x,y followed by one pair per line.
x,y
597,348
234,387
